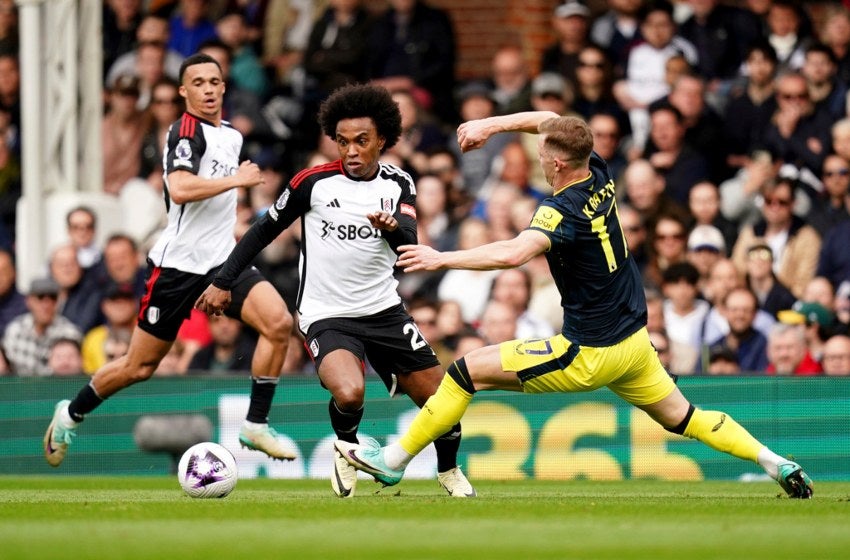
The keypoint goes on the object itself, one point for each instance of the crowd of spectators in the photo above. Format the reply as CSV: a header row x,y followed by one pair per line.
x,y
725,126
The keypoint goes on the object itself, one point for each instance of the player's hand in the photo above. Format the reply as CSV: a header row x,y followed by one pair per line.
x,y
213,301
418,257
472,135
249,175
383,221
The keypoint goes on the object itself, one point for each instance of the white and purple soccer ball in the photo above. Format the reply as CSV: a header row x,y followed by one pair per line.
x,y
207,470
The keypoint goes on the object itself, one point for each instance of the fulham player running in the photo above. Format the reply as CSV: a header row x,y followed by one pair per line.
x,y
355,212
202,171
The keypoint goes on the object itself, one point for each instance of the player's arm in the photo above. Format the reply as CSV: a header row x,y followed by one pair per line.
x,y
184,186
497,255
216,297
472,135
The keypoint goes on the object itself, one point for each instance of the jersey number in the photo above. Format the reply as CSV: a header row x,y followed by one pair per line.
x,y
417,341
600,228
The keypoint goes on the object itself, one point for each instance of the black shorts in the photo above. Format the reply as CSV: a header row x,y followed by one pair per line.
x,y
171,294
390,340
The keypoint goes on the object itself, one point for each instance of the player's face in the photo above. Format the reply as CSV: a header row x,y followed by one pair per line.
x,y
203,89
359,146
547,161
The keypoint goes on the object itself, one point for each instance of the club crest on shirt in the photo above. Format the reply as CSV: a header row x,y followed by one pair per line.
x,y
153,315
183,153
280,204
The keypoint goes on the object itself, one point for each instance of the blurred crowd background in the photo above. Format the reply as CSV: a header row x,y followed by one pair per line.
x,y
724,124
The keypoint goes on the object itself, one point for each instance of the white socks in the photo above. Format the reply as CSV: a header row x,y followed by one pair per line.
x,y
396,457
67,422
770,461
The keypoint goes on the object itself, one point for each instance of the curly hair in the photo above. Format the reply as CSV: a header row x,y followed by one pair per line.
x,y
362,100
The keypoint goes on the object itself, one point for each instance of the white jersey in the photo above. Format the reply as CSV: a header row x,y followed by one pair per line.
x,y
199,234
346,266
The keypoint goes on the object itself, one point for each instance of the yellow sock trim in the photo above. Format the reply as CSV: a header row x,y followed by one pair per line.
x,y
442,411
720,431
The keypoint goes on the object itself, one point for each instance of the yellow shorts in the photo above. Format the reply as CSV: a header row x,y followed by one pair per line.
x,y
630,368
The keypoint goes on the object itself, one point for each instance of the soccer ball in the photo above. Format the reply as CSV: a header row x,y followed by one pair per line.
x,y
207,470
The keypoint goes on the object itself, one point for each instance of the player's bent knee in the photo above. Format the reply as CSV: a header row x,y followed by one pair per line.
x,y
349,398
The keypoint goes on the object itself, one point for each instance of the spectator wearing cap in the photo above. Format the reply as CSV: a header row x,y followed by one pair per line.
x,y
773,296
29,337
747,345
684,313
704,207
795,243
787,352
836,355
571,24
706,247
12,302
122,130
816,321
120,307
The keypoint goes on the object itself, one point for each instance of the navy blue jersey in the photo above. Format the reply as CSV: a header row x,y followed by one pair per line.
x,y
599,282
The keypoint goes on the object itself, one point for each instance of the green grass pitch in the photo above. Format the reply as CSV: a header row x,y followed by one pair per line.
x,y
150,519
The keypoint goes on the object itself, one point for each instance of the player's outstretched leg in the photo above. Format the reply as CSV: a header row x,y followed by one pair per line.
x,y
60,433
721,432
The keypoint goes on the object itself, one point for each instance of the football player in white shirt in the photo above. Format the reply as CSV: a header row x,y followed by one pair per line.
x,y
354,212
202,168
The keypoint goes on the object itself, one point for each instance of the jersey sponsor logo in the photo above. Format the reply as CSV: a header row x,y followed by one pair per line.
x,y
280,204
333,204
349,232
546,218
220,169
314,348
153,315
408,210
183,153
